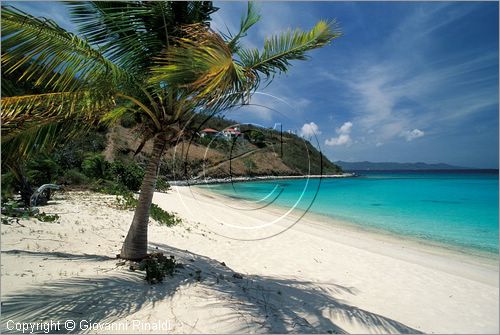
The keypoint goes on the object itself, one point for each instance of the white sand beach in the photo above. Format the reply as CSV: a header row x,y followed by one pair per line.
x,y
310,277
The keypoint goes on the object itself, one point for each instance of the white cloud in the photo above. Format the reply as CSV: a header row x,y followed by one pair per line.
x,y
345,128
393,90
344,137
309,130
413,134
302,102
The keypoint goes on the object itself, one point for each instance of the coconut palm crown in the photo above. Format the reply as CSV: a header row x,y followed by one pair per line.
x,y
158,60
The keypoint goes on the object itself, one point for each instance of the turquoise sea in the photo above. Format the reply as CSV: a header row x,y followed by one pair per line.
x,y
458,208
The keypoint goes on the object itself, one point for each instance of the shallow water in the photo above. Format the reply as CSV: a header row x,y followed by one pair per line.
x,y
455,208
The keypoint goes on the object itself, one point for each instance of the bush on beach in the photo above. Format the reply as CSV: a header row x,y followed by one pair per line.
x,y
158,266
127,201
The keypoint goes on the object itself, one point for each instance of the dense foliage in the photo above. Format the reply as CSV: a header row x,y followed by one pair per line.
x,y
80,163
151,62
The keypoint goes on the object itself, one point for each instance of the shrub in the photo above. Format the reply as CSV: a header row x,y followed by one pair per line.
x,y
73,177
256,137
14,209
8,186
108,187
42,170
11,212
128,120
126,201
94,165
44,217
158,266
130,175
162,185
164,217
71,154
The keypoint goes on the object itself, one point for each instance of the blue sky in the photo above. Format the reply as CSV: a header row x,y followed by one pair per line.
x,y
407,82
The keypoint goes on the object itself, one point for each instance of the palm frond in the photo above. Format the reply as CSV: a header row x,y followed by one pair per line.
x,y
251,17
32,140
153,117
22,112
131,33
51,57
114,115
119,28
279,50
201,64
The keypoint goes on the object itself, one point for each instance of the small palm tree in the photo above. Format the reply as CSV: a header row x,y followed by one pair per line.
x,y
159,60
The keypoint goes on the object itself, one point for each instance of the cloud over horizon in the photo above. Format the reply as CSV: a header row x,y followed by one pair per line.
x,y
343,138
413,134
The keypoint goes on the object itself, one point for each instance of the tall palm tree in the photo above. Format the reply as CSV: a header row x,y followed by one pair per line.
x,y
160,60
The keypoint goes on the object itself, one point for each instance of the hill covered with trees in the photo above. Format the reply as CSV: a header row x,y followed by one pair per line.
x,y
256,152
107,159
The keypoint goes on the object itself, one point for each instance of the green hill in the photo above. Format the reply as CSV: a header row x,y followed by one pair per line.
x,y
105,160
259,152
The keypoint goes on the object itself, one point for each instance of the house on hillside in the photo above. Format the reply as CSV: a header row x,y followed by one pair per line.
x,y
226,134
209,132
232,133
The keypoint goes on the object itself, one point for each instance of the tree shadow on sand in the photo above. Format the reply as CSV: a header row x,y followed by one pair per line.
x,y
260,303
58,255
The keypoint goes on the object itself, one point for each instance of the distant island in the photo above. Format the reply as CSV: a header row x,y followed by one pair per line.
x,y
363,166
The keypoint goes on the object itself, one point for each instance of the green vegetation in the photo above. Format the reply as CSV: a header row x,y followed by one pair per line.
x,y
126,201
162,184
79,169
304,158
12,212
44,217
256,137
158,266
300,157
250,166
164,217
150,63
130,175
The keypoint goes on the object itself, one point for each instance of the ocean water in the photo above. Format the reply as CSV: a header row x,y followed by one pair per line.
x,y
458,208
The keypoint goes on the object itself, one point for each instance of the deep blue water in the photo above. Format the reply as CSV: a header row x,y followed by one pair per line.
x,y
457,208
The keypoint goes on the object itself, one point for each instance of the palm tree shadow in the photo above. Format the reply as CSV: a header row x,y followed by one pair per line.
x,y
267,304
100,299
58,255
287,305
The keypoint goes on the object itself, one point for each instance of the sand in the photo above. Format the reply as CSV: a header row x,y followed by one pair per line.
x,y
242,273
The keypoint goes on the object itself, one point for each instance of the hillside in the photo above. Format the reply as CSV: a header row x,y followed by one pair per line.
x,y
259,153
360,166
105,160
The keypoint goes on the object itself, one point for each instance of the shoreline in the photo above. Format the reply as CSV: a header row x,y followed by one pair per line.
x,y
327,219
399,278
210,180
418,242
311,277
473,255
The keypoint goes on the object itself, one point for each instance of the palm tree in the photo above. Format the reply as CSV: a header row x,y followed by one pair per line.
x,y
159,60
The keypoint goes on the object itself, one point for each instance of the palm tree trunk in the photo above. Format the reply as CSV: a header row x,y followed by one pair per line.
x,y
135,246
